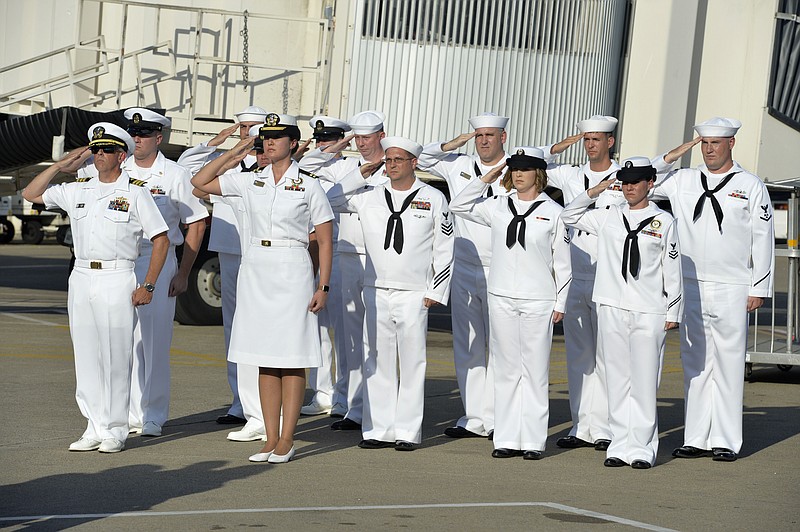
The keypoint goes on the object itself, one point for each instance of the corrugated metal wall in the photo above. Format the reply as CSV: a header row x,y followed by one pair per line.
x,y
431,64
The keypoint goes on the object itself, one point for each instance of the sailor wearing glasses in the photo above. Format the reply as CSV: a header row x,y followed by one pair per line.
x,y
110,216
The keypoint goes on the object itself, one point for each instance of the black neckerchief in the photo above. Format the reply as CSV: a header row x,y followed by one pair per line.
x,y
698,208
631,247
394,225
516,228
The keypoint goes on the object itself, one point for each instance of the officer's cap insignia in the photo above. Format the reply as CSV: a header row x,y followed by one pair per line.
x,y
137,117
655,224
319,125
629,164
98,132
272,119
520,152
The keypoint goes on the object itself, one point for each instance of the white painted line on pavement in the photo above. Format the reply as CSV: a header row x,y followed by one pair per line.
x,y
26,318
555,506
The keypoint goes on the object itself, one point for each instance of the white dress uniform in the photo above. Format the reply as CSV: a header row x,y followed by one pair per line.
x,y
171,189
728,254
109,221
632,311
527,283
227,238
273,326
400,273
350,254
469,303
585,368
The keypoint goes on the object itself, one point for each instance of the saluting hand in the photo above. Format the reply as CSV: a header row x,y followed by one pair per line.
x,y
223,135
301,150
458,141
676,153
71,162
566,143
369,169
596,190
239,152
336,147
492,175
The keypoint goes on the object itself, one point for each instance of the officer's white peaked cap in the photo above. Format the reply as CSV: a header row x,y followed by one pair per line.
x,y
108,134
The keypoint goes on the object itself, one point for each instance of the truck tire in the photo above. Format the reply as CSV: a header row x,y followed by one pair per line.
x,y
201,304
6,231
32,232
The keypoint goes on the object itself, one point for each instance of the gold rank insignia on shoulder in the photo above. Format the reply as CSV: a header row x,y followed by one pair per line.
x,y
258,183
465,175
98,132
309,174
137,182
83,179
119,204
655,224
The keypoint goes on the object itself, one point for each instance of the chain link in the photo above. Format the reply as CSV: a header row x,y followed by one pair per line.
x,y
245,51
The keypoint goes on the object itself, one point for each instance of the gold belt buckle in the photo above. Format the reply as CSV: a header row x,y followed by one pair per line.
x,y
266,243
96,265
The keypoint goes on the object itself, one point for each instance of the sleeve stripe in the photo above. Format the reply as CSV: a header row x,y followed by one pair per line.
x,y
759,281
674,302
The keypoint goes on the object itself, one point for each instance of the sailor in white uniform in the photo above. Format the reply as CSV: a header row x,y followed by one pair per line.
x,y
367,132
225,238
724,216
469,305
639,296
171,188
408,234
585,365
275,326
109,216
329,382
528,284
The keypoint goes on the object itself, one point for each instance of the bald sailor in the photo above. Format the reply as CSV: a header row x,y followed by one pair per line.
x,y
470,311
725,222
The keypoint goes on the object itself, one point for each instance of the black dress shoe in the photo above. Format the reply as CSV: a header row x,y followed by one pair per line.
x,y
506,453
571,442
687,451
614,462
375,444
532,455
460,432
228,419
641,464
401,445
721,454
602,445
345,424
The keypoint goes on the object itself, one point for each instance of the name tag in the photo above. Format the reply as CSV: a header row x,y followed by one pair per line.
x,y
466,175
258,183
80,205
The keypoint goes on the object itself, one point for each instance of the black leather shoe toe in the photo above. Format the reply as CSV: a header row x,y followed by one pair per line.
x,y
614,462
721,454
345,424
602,445
505,453
571,442
532,455
641,464
687,451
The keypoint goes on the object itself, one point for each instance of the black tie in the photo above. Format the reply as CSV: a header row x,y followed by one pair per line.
x,y
698,208
514,235
252,168
395,224
478,174
631,247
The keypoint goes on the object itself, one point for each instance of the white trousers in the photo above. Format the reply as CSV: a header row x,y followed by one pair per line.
x,y
586,369
242,378
101,321
474,366
633,345
713,348
395,329
321,380
152,338
349,336
229,273
522,335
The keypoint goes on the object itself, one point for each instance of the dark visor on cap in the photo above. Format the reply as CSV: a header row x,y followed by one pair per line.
x,y
525,162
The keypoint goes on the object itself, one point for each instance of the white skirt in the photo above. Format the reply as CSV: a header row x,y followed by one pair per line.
x,y
272,326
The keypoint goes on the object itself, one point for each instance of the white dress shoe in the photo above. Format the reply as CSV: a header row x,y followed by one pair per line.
x,y
84,444
314,409
247,434
151,428
111,445
281,458
338,410
260,457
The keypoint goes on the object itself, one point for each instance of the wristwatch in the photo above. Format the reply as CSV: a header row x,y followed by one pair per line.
x,y
149,287
324,288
